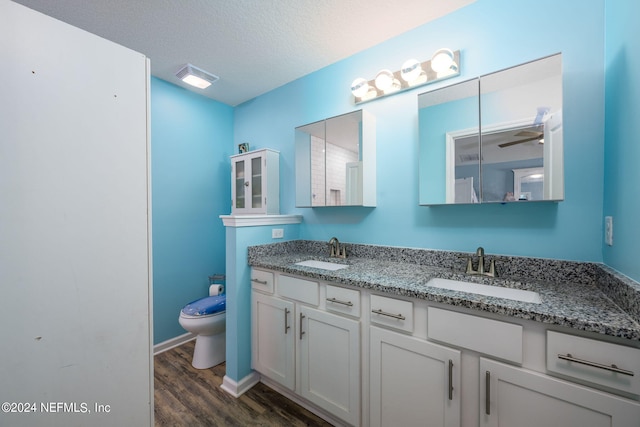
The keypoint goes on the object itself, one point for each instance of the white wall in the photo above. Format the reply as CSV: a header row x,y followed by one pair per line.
x,y
328,170
74,235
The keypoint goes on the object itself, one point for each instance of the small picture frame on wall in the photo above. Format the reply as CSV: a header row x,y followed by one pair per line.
x,y
243,148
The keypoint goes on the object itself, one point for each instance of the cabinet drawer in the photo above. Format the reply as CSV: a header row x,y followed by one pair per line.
x,y
298,289
262,280
342,300
593,360
492,337
392,312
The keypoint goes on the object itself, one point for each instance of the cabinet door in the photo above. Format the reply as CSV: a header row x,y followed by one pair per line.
x,y
413,382
257,181
248,186
273,341
330,362
239,170
511,396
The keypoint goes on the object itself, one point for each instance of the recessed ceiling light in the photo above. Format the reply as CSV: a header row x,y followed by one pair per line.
x,y
195,76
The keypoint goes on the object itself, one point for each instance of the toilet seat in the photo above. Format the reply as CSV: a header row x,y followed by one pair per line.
x,y
205,307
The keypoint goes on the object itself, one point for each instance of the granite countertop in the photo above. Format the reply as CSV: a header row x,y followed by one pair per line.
x,y
573,303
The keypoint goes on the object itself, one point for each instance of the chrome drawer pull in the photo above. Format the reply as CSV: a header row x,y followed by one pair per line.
x,y
337,301
383,313
302,316
450,379
487,393
262,282
286,320
612,368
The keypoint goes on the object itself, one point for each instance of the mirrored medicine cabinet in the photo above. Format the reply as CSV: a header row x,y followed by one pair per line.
x,y
494,139
336,161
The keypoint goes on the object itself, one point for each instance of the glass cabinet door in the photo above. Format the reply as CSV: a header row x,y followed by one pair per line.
x,y
256,182
240,184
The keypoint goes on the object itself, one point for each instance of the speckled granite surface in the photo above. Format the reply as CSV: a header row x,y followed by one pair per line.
x,y
585,296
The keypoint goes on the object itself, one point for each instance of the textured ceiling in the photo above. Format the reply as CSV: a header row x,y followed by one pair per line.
x,y
254,46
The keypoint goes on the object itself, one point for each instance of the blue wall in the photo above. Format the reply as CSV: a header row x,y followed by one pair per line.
x,y
622,148
191,141
491,36
238,351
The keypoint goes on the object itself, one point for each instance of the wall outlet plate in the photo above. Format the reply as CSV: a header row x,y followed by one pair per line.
x,y
277,233
608,230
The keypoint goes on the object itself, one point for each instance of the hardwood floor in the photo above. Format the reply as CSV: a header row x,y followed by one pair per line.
x,y
185,396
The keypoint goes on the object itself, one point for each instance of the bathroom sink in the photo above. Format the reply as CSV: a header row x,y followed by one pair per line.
x,y
488,290
324,265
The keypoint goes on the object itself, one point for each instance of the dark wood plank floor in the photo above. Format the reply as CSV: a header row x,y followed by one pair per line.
x,y
185,396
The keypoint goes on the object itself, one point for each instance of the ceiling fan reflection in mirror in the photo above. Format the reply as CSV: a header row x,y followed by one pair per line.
x,y
526,136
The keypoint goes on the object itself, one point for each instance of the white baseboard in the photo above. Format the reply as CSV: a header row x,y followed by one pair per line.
x,y
172,343
237,389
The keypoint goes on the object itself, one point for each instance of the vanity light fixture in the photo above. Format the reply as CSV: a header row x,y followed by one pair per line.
x,y
444,64
195,76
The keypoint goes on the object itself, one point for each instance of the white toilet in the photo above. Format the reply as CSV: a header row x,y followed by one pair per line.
x,y
206,318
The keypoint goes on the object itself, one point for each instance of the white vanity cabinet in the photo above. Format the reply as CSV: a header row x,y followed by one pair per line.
x,y
524,395
273,352
299,345
375,359
610,365
329,362
255,183
413,382
513,396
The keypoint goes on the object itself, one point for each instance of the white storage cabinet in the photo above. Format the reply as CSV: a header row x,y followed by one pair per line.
x,y
313,353
255,183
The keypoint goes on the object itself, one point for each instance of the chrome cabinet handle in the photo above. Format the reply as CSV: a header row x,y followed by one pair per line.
x,y
450,379
262,282
612,368
487,393
337,301
286,320
383,313
302,316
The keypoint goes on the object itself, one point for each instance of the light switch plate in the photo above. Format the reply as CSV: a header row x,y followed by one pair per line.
x,y
608,230
277,233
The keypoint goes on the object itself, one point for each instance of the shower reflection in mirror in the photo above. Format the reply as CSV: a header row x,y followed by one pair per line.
x,y
335,161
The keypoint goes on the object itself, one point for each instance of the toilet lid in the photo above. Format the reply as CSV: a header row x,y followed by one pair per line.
x,y
205,306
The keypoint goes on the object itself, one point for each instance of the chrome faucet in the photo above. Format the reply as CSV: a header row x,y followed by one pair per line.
x,y
335,251
481,271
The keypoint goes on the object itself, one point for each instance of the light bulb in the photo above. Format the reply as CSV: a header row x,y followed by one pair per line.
x,y
359,87
196,81
384,80
410,70
442,60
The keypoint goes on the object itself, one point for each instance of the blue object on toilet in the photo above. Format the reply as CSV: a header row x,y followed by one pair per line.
x,y
206,306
